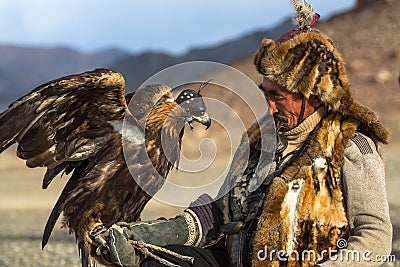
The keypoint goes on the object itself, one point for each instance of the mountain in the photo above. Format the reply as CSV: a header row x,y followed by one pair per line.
x,y
23,68
137,68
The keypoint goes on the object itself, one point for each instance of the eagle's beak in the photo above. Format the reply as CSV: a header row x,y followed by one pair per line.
x,y
204,119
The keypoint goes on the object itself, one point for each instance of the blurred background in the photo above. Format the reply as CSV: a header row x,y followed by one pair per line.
x,y
43,40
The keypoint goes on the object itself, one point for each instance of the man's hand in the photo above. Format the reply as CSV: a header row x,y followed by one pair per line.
x,y
113,247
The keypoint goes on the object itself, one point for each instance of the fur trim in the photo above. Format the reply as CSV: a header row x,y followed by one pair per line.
x,y
309,64
304,209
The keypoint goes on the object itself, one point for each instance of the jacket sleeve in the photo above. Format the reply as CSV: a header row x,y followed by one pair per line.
x,y
367,207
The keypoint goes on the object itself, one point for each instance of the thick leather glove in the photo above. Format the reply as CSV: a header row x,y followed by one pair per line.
x,y
113,247
127,244
160,232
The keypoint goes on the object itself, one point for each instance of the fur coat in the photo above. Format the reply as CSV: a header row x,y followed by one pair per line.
x,y
303,215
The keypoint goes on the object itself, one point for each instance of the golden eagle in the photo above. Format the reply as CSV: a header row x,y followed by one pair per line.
x,y
73,125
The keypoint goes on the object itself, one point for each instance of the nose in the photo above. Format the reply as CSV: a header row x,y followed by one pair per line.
x,y
272,106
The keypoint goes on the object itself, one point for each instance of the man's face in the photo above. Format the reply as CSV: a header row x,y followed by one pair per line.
x,y
284,105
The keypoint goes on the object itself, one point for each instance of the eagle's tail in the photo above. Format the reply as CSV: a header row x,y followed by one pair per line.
x,y
86,260
55,213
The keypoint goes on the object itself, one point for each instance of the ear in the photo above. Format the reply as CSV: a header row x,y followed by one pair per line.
x,y
315,101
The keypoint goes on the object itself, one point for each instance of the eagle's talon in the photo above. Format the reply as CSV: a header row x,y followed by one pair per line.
x,y
191,125
98,230
124,224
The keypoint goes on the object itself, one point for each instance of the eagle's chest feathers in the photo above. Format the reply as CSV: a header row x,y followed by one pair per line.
x,y
304,209
163,134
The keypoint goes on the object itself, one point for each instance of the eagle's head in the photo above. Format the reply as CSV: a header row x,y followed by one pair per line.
x,y
192,102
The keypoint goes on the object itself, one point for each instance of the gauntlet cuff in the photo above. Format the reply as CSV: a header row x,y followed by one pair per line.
x,y
194,228
209,219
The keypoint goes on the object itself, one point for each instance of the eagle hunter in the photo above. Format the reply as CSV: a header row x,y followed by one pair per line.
x,y
74,125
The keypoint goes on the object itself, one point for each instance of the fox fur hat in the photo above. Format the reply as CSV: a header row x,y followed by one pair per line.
x,y
305,61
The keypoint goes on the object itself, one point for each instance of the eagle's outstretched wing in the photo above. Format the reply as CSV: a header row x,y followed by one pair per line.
x,y
73,124
65,119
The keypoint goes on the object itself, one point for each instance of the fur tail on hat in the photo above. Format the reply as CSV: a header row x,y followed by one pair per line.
x,y
367,118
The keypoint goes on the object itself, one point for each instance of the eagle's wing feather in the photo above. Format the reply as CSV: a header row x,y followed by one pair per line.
x,y
65,119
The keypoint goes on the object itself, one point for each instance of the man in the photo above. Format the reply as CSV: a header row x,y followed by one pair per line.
x,y
323,202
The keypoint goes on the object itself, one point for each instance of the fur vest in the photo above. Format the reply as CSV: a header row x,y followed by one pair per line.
x,y
304,215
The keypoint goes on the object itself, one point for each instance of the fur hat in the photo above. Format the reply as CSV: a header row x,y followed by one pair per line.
x,y
305,61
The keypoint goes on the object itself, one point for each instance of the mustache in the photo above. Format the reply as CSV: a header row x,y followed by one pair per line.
x,y
280,122
280,118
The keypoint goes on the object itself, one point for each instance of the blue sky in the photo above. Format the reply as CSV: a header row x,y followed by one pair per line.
x,y
165,25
